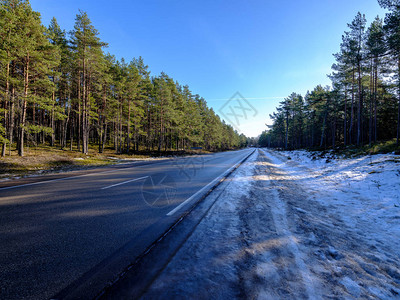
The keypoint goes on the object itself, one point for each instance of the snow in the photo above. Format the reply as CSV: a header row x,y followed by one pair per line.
x,y
279,216
362,199
364,190
352,287
295,225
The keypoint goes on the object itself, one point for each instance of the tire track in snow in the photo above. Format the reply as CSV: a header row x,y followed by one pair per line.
x,y
348,259
280,220
279,216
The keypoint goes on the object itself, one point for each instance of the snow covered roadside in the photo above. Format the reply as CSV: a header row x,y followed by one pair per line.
x,y
243,248
286,229
354,216
205,267
365,190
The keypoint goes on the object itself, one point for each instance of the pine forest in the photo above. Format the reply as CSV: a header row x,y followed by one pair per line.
x,y
62,89
362,106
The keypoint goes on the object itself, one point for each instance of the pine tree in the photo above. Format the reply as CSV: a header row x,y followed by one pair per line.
x,y
376,48
392,29
87,47
357,35
51,86
7,54
61,109
34,56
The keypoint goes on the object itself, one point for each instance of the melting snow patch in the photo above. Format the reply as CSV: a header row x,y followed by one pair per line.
x,y
351,286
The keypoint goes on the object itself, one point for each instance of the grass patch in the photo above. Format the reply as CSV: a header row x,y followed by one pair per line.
x,y
353,151
46,159
357,151
95,161
383,147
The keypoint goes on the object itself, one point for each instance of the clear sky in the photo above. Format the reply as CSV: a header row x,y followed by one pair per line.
x,y
263,49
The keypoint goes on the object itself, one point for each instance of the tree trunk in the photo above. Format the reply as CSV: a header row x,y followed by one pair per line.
x,y
345,116
334,132
6,121
398,104
120,127
370,103
312,131
359,106
23,112
160,137
35,138
65,129
79,114
352,110
100,131
12,119
71,133
287,130
84,106
53,133
375,105
129,128
105,136
324,123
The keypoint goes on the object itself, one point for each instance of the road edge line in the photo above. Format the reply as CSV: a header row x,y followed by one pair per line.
x,y
104,293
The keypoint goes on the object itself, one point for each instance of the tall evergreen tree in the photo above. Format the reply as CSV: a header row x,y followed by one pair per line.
x,y
376,48
34,56
8,22
392,29
357,35
88,50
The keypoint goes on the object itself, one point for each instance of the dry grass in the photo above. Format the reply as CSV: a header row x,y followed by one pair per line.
x,y
45,159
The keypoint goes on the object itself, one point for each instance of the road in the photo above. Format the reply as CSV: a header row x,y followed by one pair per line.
x,y
75,234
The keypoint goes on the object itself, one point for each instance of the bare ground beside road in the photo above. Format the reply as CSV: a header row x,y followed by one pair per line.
x,y
44,160
272,236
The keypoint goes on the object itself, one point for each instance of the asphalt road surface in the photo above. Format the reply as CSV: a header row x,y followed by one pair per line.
x,y
73,235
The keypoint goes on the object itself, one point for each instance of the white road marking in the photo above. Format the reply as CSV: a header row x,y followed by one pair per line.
x,y
34,183
136,179
212,183
65,178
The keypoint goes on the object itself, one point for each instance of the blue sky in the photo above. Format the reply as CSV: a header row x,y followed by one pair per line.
x,y
263,49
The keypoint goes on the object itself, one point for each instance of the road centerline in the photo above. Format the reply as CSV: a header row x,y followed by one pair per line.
x,y
132,180
76,176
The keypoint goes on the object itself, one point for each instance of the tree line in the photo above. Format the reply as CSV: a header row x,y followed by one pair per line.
x,y
62,89
362,105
